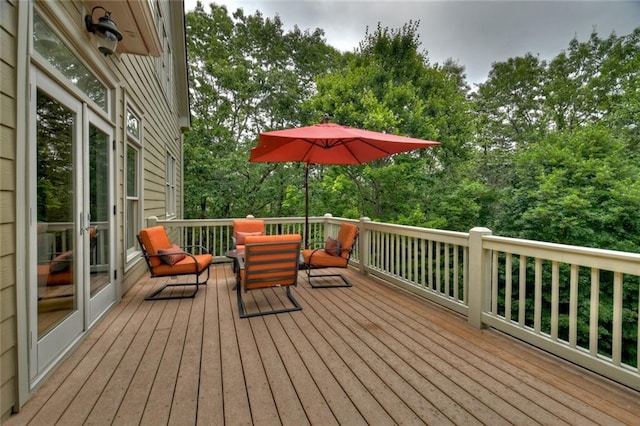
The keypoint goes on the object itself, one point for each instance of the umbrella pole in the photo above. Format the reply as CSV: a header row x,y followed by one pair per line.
x,y
306,205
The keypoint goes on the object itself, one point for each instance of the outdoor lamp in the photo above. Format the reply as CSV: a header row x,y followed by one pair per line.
x,y
106,31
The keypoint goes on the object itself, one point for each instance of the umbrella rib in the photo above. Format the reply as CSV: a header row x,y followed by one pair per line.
x,y
366,142
306,155
348,148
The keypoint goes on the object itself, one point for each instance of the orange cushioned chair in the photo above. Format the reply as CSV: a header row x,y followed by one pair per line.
x,y
269,261
166,260
334,254
243,228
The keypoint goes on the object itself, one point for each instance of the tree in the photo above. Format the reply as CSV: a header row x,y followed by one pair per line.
x,y
246,75
388,85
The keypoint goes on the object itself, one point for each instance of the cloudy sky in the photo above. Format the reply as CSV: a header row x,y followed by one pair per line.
x,y
475,33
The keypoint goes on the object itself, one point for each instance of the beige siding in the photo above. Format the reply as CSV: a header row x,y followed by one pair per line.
x,y
8,337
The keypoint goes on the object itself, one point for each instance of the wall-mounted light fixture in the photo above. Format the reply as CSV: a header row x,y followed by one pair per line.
x,y
106,31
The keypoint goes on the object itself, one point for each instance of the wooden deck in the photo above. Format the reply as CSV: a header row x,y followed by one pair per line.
x,y
369,354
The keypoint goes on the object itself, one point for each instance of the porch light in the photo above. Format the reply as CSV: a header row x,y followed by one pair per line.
x,y
106,31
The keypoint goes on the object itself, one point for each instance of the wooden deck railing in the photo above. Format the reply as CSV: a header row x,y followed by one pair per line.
x,y
524,288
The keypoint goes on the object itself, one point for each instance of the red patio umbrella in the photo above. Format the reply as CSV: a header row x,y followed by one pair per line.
x,y
329,143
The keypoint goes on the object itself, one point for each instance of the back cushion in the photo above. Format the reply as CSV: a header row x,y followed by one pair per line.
x,y
270,266
247,225
154,239
347,236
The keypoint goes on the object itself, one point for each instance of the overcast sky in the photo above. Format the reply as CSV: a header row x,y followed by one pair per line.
x,y
474,33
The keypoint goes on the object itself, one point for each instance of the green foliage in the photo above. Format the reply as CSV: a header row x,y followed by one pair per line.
x,y
246,75
576,189
389,86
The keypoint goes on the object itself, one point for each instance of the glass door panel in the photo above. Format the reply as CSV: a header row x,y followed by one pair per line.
x,y
101,286
56,194
99,209
56,296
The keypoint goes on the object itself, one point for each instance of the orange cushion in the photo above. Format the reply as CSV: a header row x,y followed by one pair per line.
x,y
241,236
248,225
184,266
172,255
253,239
322,258
154,239
46,277
346,236
60,278
260,274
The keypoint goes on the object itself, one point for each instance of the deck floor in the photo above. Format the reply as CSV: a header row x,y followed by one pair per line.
x,y
370,354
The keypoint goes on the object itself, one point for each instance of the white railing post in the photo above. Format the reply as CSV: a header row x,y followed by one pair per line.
x,y
479,276
363,244
152,221
325,222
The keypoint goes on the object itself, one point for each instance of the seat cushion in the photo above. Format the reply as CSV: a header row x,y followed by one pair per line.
x,y
184,266
47,278
320,258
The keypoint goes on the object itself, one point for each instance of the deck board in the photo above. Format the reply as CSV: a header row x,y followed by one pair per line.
x,y
462,374
369,354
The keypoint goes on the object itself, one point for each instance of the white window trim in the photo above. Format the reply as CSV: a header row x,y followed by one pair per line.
x,y
133,253
171,190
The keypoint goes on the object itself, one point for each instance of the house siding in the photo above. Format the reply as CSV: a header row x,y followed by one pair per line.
x,y
8,337
134,79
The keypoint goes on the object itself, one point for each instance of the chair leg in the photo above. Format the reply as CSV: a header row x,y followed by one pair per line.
x,y
243,314
156,294
346,282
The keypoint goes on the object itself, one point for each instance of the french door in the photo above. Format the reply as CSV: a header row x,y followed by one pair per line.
x,y
72,221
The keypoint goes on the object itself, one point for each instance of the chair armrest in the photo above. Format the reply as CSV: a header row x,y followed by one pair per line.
x,y
311,257
191,255
203,249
